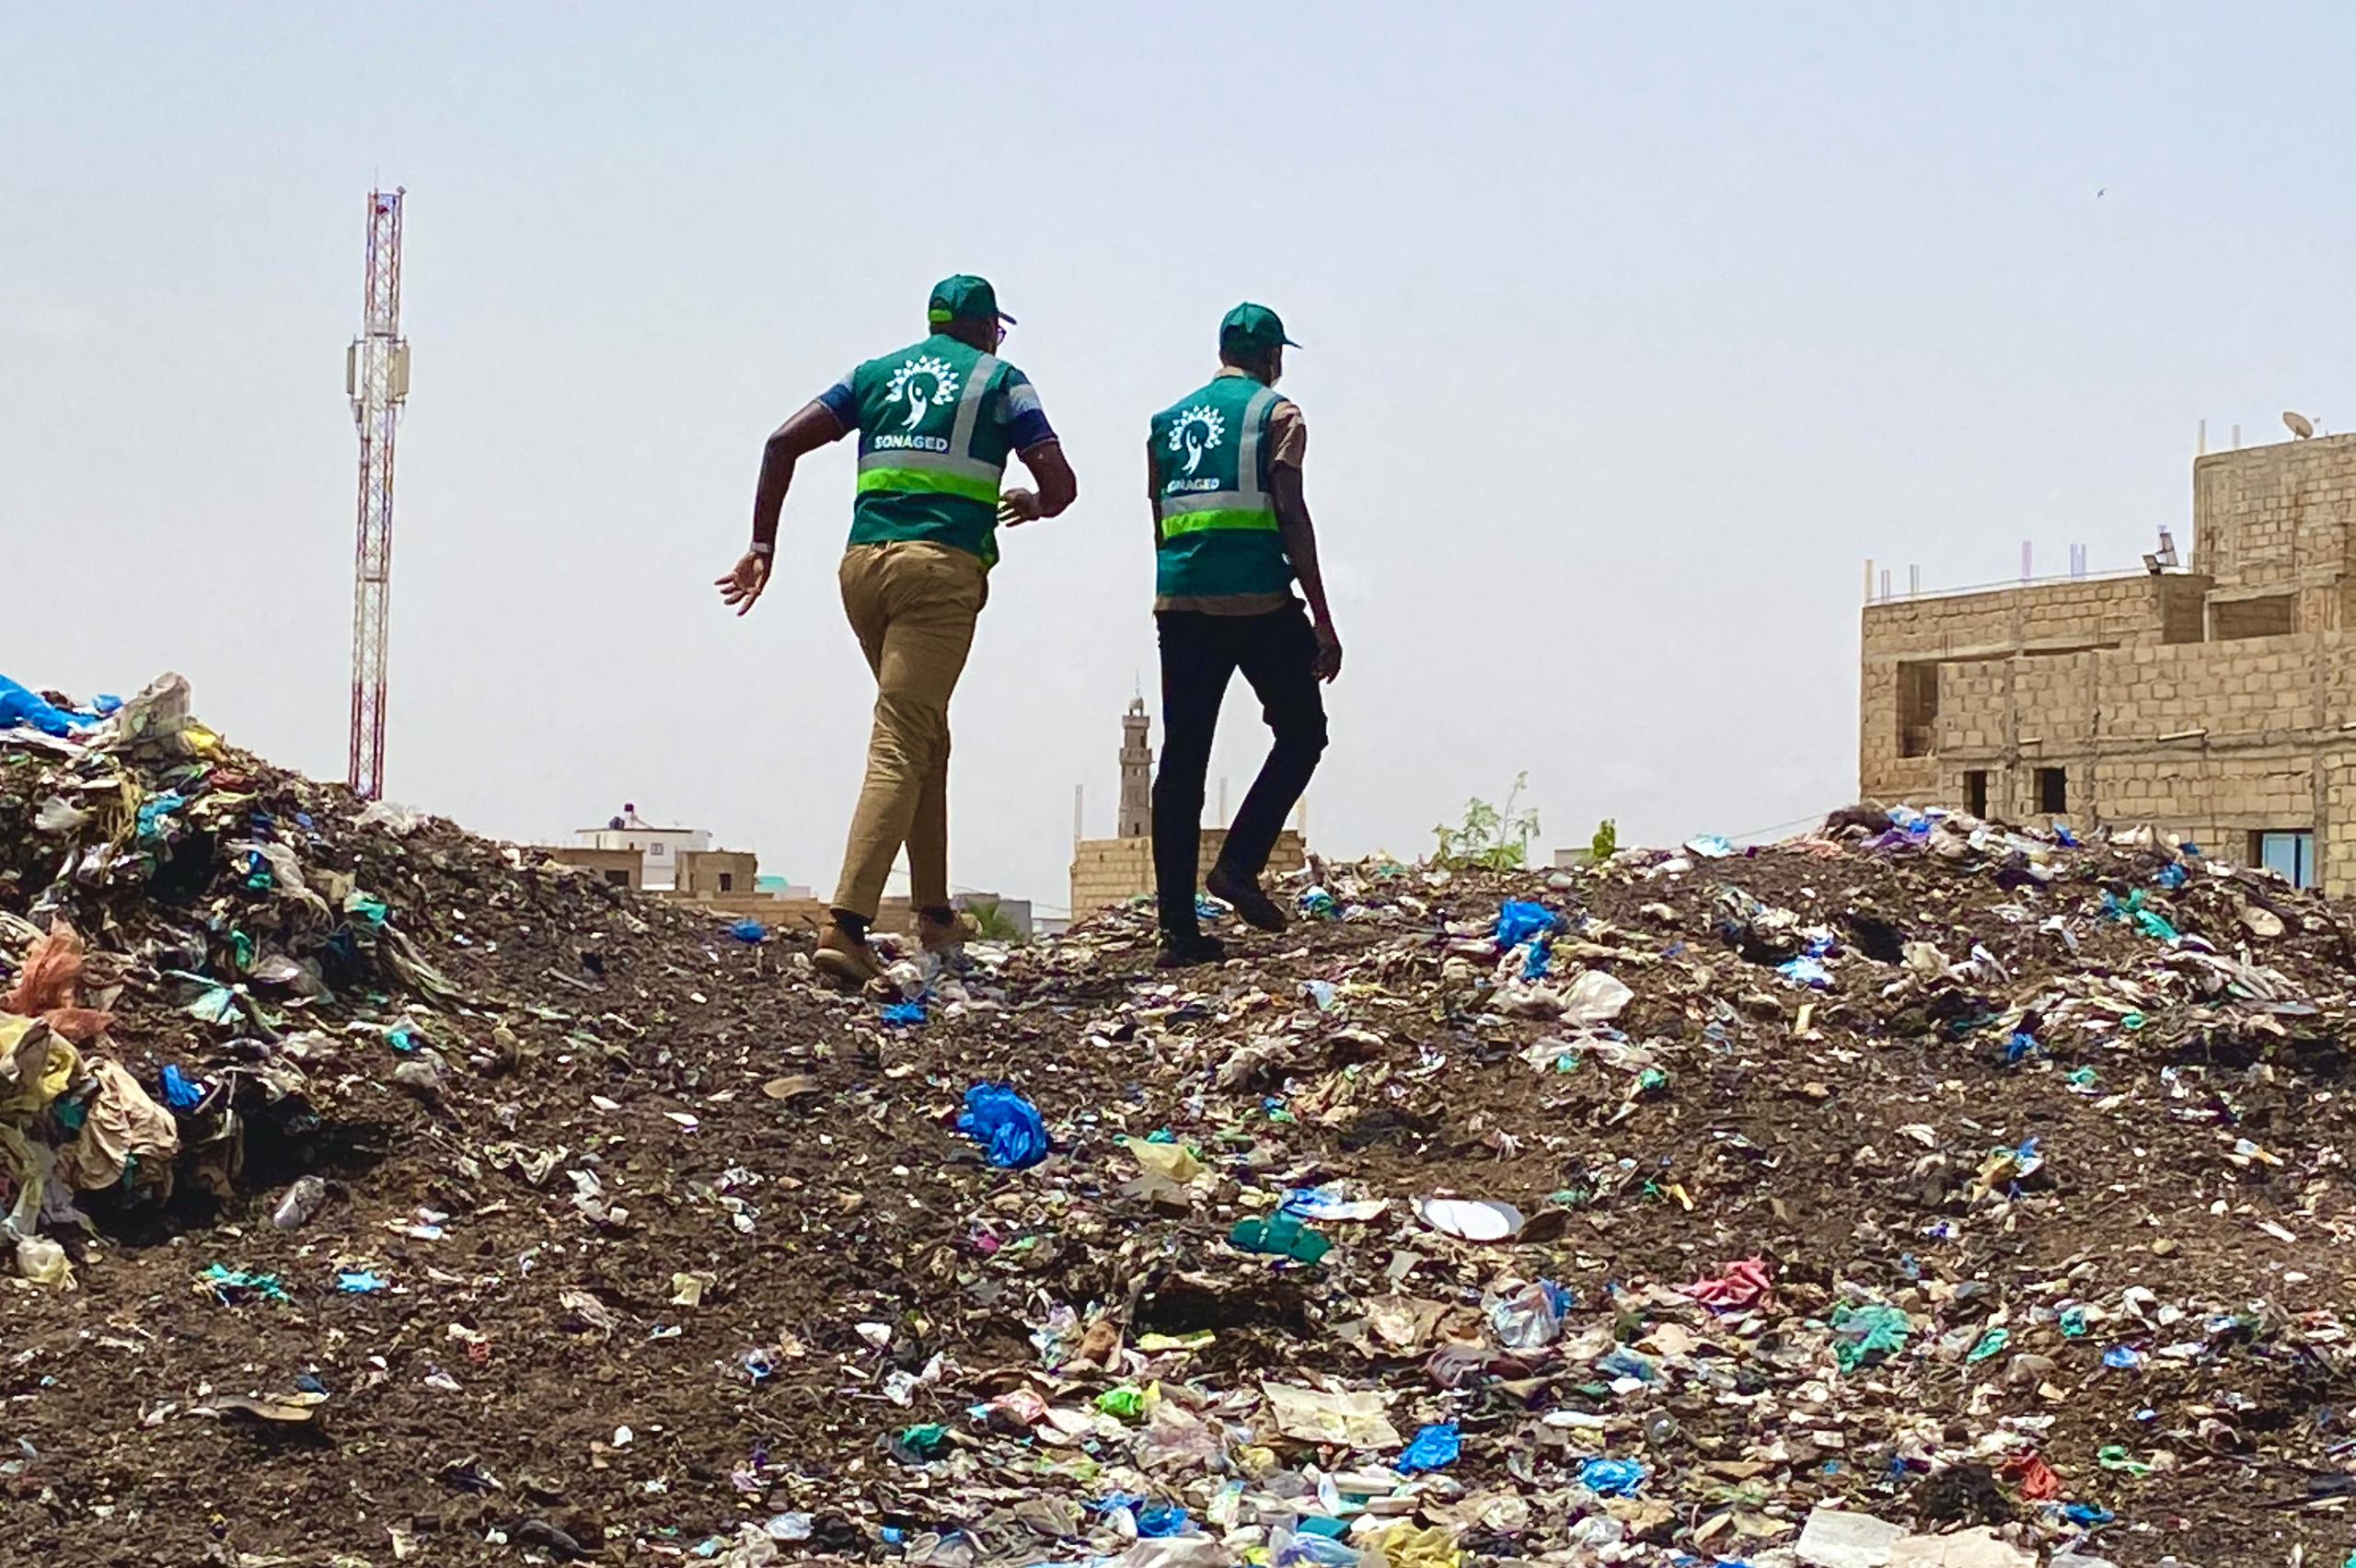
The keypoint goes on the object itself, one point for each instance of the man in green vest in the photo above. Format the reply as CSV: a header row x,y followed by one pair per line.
x,y
936,421
1231,535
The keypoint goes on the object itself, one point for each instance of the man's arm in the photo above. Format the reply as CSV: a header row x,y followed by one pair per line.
x,y
1153,489
1299,537
813,427
1059,486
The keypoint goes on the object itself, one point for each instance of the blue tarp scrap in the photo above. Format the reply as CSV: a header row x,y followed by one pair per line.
x,y
1436,1447
1009,1127
1519,921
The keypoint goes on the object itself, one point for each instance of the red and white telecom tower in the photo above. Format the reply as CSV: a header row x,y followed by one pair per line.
x,y
375,375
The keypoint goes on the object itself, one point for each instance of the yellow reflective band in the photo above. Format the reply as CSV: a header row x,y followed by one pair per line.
x,y
1258,522
928,481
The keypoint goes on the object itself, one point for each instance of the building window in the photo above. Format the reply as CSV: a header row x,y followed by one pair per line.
x,y
1975,792
618,879
2053,790
1918,707
2290,853
655,850
728,882
2274,616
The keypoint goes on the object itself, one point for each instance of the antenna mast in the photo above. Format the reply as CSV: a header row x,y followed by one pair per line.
x,y
375,375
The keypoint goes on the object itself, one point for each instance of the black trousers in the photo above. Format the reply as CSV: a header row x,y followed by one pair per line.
x,y
1277,653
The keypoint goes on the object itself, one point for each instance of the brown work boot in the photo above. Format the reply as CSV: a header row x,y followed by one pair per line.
x,y
943,931
846,958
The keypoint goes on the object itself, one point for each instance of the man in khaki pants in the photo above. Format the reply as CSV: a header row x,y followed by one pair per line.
x,y
935,423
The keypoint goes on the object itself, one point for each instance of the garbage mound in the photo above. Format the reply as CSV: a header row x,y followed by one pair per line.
x,y
1919,1192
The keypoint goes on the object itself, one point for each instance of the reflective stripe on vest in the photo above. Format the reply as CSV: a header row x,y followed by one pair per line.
x,y
1247,507
945,473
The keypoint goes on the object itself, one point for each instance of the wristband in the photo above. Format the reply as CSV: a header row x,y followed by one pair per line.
x,y
759,548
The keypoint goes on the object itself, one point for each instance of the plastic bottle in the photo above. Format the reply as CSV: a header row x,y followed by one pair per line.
x,y
301,1202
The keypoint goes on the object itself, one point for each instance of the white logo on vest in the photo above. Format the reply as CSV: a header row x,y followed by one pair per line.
x,y
905,387
1198,431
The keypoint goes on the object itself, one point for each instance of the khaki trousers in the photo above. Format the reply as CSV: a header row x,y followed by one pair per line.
x,y
912,606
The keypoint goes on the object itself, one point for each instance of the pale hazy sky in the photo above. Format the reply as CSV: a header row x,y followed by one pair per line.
x,y
1631,330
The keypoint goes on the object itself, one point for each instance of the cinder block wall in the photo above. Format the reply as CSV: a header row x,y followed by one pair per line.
x,y
1106,871
2209,702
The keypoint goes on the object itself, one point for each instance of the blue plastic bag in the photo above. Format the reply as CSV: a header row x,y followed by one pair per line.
x,y
179,1093
1518,922
1611,1478
22,706
904,1015
748,930
1008,1126
1435,1447
1162,1519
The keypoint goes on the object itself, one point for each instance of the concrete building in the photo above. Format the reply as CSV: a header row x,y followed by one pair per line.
x,y
1106,871
659,848
2218,702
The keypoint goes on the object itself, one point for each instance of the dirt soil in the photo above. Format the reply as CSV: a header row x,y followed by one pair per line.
x,y
683,1258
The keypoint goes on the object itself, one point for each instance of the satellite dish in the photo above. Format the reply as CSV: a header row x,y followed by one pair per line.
x,y
2299,424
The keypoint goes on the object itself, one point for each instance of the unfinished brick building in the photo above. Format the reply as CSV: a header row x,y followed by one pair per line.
x,y
2217,702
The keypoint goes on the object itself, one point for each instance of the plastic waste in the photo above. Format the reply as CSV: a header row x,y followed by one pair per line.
x,y
1470,1219
1518,922
59,817
904,1015
1282,1234
1866,1333
301,1202
1835,1538
1532,1317
1314,1415
1595,997
1436,1446
22,706
44,1263
180,1093
1613,1478
1008,1126
1742,1286
1158,1519
749,931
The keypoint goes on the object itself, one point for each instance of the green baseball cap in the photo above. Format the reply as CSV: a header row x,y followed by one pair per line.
x,y
964,298
1254,328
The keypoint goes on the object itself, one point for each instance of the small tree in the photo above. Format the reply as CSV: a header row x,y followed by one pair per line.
x,y
1494,838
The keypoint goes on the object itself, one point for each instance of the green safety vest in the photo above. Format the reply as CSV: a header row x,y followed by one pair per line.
x,y
1211,462
928,466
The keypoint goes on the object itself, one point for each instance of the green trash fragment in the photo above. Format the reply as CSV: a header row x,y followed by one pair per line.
x,y
370,910
2081,1078
235,1286
1991,1344
923,1441
2074,1322
1282,1235
1128,1402
2133,1021
1652,1080
241,949
1867,1333
2112,1457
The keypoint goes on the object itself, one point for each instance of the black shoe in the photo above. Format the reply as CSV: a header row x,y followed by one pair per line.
x,y
1255,908
1184,953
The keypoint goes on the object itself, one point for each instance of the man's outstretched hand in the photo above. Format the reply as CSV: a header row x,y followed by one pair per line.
x,y
1018,506
742,587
